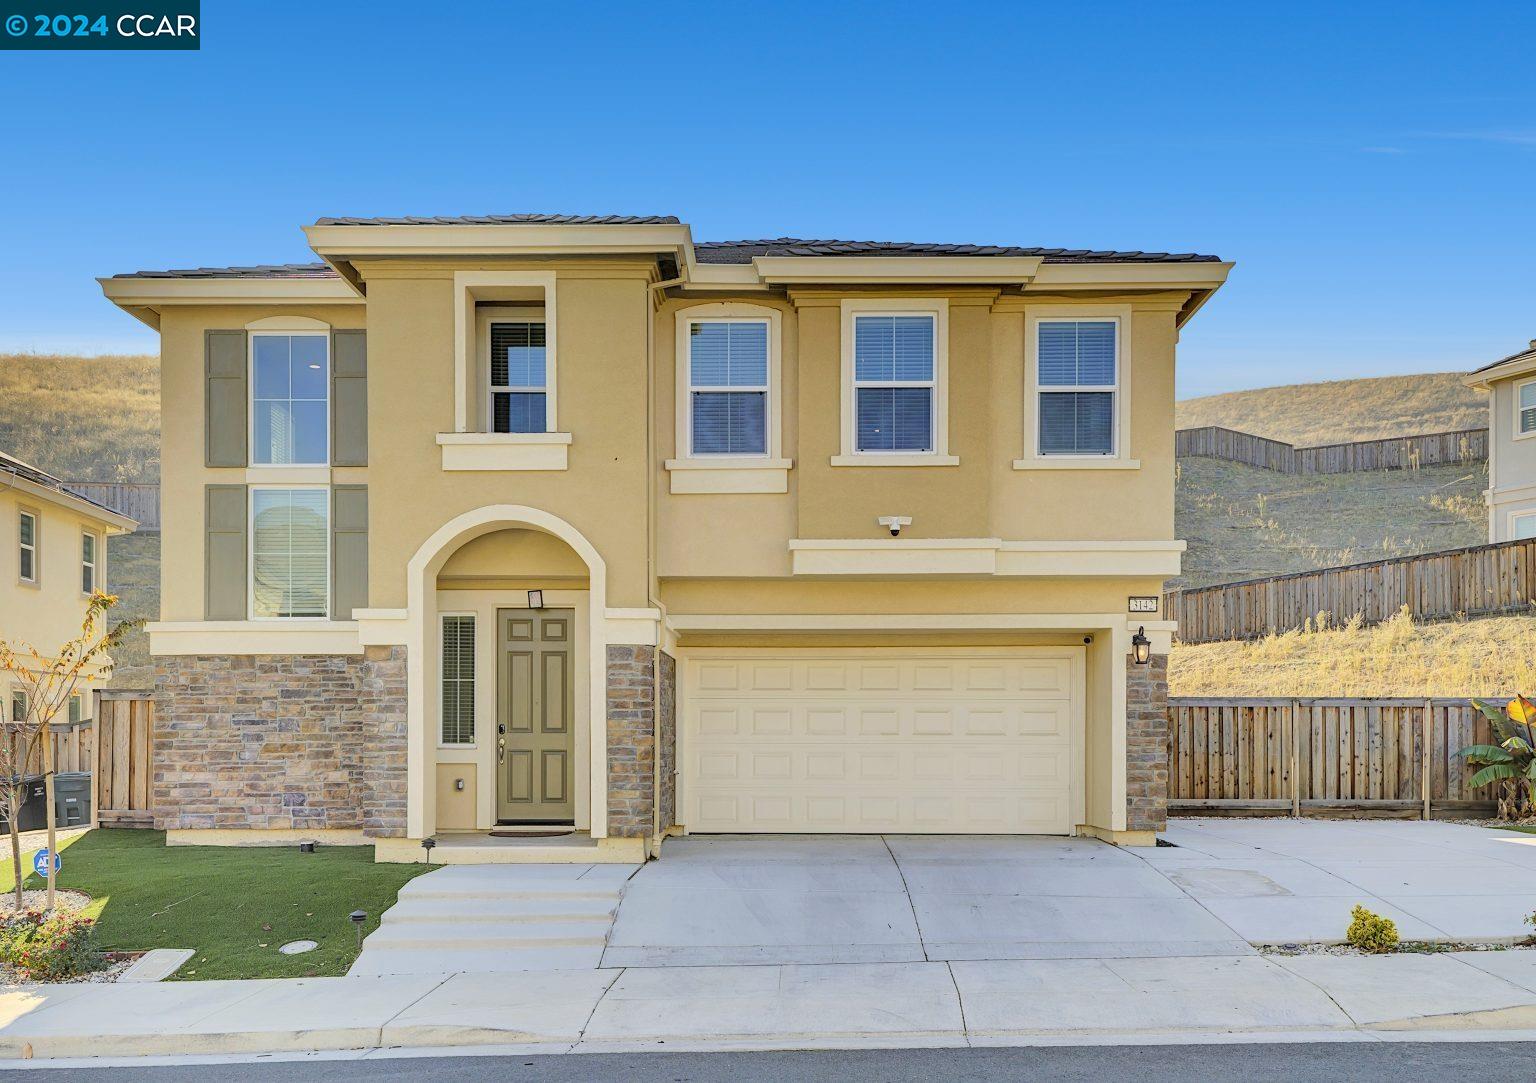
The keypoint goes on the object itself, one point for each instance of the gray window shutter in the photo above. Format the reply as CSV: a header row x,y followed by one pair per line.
x,y
227,402
224,553
349,550
349,398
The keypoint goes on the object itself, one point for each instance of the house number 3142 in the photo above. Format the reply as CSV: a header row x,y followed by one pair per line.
x,y
1143,604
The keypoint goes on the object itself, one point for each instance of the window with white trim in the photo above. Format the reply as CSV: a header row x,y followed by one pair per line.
x,y
290,399
1522,526
1077,384
88,546
1525,408
458,679
18,705
519,376
76,707
27,544
894,382
728,387
290,552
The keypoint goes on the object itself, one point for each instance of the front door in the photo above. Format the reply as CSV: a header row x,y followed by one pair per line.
x,y
534,744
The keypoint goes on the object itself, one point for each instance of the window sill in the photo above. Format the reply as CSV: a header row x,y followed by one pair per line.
x,y
1068,462
504,450
729,475
895,459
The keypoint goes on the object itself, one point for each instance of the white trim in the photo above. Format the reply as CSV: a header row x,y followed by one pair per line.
x,y
851,558
289,325
294,635
729,475
468,287
504,450
112,522
1523,513
1515,432
1120,458
936,308
94,563
484,318
474,681
250,547
250,398
35,547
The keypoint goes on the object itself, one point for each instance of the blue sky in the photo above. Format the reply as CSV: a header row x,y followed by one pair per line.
x,y
1371,168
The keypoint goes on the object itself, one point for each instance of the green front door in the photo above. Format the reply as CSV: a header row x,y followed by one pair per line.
x,y
534,732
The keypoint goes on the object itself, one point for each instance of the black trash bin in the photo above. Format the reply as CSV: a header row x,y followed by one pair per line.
x,y
34,814
71,798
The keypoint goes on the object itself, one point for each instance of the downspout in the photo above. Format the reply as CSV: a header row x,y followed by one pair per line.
x,y
653,845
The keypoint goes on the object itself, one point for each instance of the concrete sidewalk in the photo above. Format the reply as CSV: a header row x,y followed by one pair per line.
x,y
1021,1002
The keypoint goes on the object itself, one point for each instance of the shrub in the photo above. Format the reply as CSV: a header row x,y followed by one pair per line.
x,y
1371,933
48,947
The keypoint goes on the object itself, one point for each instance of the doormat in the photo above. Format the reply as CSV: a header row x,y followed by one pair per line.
x,y
514,833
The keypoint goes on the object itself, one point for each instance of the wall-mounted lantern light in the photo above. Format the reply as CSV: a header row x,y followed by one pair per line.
x,y
1141,647
535,599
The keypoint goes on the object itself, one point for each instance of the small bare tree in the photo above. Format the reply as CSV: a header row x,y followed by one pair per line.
x,y
48,682
13,792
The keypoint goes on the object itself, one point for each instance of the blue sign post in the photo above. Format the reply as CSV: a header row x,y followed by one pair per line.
x,y
40,863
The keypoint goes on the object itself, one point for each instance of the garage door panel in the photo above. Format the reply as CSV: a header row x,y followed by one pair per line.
x,y
881,740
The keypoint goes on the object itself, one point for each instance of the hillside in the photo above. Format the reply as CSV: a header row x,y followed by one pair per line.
x,y
1344,410
1243,523
83,418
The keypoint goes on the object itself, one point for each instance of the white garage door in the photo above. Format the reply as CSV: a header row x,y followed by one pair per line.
x,y
883,739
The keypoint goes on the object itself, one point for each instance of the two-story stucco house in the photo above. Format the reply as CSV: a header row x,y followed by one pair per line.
x,y
1511,496
524,523
54,557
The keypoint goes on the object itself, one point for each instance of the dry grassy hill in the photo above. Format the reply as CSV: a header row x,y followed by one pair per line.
x,y
83,418
1342,410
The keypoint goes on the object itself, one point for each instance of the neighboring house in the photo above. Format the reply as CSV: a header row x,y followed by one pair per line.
x,y
492,524
1511,496
54,556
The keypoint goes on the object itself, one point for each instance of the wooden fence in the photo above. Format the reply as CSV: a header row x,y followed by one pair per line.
x,y
1398,453
73,747
1383,757
1480,580
140,502
122,780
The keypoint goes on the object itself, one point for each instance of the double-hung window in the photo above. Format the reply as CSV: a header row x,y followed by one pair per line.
x,y
728,387
1525,408
27,542
458,679
290,399
519,377
894,383
290,552
88,545
18,705
1077,384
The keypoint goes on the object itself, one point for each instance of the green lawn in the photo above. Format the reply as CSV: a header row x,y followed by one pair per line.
x,y
235,905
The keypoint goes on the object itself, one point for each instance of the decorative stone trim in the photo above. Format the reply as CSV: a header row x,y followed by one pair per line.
x,y
1146,744
281,742
631,740
667,753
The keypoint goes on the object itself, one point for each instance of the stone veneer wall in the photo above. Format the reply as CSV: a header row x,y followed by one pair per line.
x,y
1146,744
631,740
667,754
305,742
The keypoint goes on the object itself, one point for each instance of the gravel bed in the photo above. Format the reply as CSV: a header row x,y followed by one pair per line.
x,y
1407,947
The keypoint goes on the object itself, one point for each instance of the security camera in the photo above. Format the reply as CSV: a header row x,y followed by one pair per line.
x,y
894,523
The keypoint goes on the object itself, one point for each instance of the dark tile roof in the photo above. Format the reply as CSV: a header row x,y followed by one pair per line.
x,y
1518,355
28,472
259,270
744,251
511,219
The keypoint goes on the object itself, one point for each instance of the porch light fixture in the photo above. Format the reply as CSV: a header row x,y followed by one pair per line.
x,y
1141,647
535,599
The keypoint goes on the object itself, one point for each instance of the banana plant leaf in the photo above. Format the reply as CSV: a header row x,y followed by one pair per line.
x,y
1494,772
1486,753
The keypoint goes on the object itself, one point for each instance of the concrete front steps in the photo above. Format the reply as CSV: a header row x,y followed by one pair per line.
x,y
495,918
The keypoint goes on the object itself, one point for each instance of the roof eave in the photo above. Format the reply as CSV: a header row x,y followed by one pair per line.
x,y
115,522
143,298
1519,365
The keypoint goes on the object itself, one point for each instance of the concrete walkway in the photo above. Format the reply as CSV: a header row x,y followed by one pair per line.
x,y
999,1002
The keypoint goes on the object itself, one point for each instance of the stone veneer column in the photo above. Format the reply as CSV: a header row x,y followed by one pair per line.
x,y
666,755
297,742
1146,744
631,740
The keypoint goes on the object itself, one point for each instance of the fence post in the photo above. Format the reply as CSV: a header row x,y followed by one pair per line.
x,y
95,756
1429,711
1296,758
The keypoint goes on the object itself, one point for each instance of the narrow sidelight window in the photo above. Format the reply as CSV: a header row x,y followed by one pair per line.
x,y
290,400
458,703
290,552
728,387
519,380
1077,380
28,543
893,382
87,563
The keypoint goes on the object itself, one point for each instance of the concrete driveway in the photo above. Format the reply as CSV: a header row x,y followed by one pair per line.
x,y
1226,884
